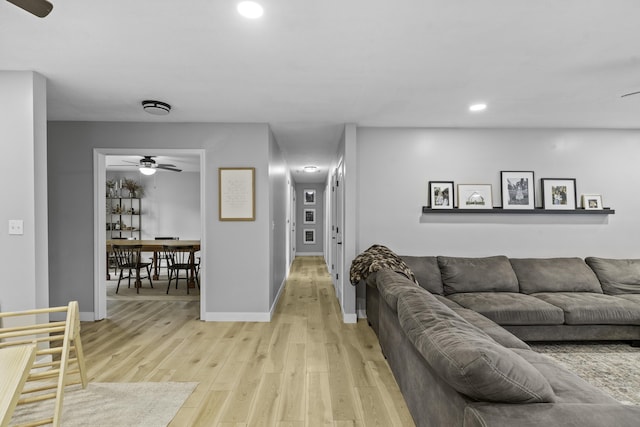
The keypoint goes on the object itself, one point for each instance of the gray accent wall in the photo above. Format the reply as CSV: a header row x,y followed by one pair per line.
x,y
238,259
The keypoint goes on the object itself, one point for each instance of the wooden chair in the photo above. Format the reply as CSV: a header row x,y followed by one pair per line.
x,y
180,257
59,358
129,257
159,258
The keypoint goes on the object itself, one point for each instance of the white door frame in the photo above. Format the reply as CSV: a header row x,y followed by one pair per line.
x,y
99,218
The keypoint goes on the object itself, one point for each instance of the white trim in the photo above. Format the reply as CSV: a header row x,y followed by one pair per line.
x,y
309,254
362,313
277,298
349,318
237,317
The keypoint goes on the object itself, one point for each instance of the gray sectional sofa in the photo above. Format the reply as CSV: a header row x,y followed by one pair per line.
x,y
455,340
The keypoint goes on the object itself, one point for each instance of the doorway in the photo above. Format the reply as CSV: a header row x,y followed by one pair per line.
x,y
100,218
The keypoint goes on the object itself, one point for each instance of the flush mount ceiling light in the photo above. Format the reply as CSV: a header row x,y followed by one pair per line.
x,y
477,107
250,9
156,108
310,169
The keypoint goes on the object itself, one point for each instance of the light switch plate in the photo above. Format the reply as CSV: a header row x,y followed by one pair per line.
x,y
16,226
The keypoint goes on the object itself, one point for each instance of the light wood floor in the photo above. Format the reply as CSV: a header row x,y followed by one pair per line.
x,y
304,368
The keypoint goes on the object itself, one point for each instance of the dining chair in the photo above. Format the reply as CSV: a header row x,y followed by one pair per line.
x,y
159,259
129,257
180,257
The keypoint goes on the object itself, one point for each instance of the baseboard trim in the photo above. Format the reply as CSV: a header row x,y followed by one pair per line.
x,y
85,316
276,299
362,314
309,254
349,318
236,317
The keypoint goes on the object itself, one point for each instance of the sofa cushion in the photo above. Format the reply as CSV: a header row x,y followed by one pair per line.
x,y
508,308
426,271
466,358
491,328
635,298
587,308
555,275
617,276
391,284
491,274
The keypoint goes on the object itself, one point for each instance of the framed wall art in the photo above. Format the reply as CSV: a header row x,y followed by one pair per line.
x,y
592,201
517,189
309,235
441,194
309,197
558,193
309,216
475,196
236,194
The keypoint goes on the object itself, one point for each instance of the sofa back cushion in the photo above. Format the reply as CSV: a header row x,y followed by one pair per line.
x,y
391,284
491,274
426,271
617,276
467,358
555,275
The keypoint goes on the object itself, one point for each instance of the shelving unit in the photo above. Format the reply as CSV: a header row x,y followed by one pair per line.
x,y
536,211
124,219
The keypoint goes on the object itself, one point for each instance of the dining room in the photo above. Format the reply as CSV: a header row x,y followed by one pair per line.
x,y
153,227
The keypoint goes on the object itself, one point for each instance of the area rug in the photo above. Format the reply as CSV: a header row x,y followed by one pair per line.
x,y
114,405
613,367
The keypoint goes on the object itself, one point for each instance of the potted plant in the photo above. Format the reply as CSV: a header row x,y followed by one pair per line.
x,y
135,189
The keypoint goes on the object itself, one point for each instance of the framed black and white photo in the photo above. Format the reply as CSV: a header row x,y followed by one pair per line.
x,y
592,201
558,193
309,236
309,216
517,190
475,196
309,197
441,194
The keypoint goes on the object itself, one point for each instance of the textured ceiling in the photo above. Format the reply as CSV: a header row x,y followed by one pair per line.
x,y
307,67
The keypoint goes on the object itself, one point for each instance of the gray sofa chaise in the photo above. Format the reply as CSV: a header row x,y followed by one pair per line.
x,y
455,339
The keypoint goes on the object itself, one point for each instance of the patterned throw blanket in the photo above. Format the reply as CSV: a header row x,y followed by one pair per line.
x,y
376,258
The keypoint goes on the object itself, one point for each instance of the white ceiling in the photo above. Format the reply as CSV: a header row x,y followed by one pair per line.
x,y
308,66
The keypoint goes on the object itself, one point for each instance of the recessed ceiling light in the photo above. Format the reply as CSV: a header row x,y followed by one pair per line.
x,y
250,9
478,107
310,169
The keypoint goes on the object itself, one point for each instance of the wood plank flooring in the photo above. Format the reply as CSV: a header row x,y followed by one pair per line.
x,y
304,368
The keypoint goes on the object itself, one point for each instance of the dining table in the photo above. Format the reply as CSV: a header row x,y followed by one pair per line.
x,y
157,246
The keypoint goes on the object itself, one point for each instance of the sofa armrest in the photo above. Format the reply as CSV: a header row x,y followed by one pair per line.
x,y
551,414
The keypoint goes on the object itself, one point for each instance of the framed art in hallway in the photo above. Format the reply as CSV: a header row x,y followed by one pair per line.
x,y
236,194
441,194
558,193
592,201
309,216
517,189
475,196
309,197
309,236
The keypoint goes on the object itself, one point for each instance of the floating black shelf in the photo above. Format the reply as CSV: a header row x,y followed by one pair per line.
x,y
536,211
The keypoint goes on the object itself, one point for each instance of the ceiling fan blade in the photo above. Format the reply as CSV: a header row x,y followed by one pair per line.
x,y
169,168
629,94
166,164
39,8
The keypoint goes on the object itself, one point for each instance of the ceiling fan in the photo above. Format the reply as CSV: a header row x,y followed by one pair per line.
x,y
39,8
148,166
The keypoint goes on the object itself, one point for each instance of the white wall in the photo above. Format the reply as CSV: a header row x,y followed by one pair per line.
x,y
23,193
237,258
171,203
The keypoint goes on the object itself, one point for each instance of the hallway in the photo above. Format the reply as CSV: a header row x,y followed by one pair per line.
x,y
304,368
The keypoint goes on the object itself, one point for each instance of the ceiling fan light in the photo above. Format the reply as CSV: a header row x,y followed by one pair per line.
x,y
145,170
156,108
250,9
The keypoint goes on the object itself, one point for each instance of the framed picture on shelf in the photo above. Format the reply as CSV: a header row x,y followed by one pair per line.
x,y
517,189
558,193
441,194
474,196
592,201
309,216
309,197
309,236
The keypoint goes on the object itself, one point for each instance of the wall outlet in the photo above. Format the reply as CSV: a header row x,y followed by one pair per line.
x,y
16,226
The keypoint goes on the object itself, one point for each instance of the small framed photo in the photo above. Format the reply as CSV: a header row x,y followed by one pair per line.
x,y
441,194
559,193
517,189
309,236
474,196
309,216
309,197
592,201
